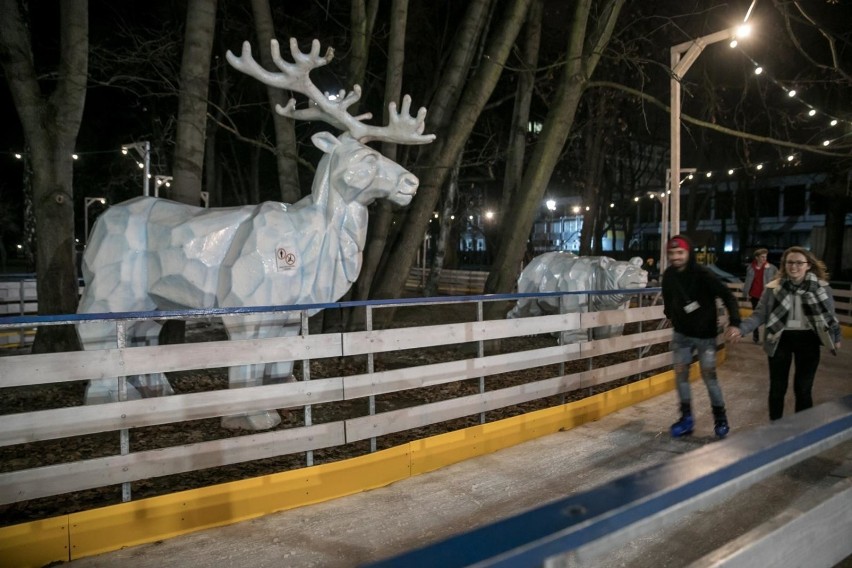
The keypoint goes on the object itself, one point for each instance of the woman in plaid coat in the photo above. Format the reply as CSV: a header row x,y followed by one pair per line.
x,y
798,311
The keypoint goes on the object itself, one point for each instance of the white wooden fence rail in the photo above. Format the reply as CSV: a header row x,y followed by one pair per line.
x,y
58,423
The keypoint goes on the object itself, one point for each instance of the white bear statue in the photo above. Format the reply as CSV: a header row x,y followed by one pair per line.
x,y
566,272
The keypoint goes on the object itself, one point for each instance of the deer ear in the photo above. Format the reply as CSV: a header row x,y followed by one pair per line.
x,y
325,141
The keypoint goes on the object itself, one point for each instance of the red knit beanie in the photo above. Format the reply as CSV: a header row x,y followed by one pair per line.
x,y
677,243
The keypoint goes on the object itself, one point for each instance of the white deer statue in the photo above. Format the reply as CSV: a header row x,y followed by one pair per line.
x,y
154,254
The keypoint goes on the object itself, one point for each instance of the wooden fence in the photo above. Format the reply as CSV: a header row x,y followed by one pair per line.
x,y
489,357
17,297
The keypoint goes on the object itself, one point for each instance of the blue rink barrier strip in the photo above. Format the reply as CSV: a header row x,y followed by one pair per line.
x,y
566,525
15,321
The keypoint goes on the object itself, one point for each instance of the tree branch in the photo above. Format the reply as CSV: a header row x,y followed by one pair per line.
x,y
724,130
268,147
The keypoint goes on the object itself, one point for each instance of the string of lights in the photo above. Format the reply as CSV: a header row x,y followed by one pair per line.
x,y
830,120
123,150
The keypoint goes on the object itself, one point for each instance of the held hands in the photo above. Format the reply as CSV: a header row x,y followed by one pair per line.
x,y
733,334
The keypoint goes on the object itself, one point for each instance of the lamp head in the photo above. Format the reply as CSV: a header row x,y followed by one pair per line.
x,y
743,31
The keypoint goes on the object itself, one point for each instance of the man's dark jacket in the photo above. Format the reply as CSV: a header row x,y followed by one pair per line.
x,y
696,283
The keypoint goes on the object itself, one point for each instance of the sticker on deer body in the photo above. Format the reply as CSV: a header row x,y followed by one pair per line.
x,y
284,259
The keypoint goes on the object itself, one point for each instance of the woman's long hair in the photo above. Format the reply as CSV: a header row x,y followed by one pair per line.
x,y
816,265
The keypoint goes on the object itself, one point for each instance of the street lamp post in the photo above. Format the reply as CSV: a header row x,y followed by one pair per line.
x,y
144,151
682,57
88,202
161,181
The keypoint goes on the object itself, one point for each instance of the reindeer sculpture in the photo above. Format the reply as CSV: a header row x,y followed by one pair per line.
x,y
155,254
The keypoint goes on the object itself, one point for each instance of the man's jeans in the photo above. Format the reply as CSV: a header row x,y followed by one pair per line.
x,y
682,349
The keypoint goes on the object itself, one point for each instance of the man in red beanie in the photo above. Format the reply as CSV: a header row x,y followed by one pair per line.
x,y
689,297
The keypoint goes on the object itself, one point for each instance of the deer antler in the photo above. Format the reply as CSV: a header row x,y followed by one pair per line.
x,y
402,128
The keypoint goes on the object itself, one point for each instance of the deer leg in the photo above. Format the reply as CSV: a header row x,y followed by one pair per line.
x,y
152,384
102,336
97,335
251,327
281,371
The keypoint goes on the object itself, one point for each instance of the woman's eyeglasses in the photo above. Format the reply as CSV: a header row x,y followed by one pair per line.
x,y
795,262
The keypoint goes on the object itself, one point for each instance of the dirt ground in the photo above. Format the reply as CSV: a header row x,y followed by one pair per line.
x,y
25,399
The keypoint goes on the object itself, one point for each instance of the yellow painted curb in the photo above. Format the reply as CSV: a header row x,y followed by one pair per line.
x,y
36,543
156,518
74,536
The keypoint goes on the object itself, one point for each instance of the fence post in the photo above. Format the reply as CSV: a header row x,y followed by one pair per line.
x,y
124,433
371,400
480,353
22,308
306,376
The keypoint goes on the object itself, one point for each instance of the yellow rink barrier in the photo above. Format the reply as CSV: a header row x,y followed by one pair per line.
x,y
77,535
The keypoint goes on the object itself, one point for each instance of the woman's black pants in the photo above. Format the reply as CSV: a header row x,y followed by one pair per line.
x,y
802,349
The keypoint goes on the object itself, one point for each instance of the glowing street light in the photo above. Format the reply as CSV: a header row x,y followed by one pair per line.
x,y
161,181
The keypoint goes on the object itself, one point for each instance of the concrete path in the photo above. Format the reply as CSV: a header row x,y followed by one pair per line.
x,y
411,513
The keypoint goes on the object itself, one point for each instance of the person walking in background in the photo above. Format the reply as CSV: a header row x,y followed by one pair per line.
x,y
758,274
689,298
798,310
651,268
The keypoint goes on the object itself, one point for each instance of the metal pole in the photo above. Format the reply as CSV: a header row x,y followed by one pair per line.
x,y
682,57
674,158
147,158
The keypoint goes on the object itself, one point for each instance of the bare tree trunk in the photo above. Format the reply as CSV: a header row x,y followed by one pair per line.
x,y
452,80
743,210
362,19
30,243
441,158
381,214
285,135
212,166
192,102
595,151
581,61
446,97
51,124
192,120
440,245
521,111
